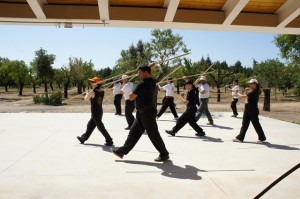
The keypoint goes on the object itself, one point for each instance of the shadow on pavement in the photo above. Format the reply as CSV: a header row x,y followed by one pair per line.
x,y
104,148
273,146
169,169
204,138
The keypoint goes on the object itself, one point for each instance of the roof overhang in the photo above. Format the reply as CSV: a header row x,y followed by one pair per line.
x,y
262,16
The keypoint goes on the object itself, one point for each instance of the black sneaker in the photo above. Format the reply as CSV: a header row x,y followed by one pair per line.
x,y
127,128
117,153
170,132
200,134
81,140
161,159
109,143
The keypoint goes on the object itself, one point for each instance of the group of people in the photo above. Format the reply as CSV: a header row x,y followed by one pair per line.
x,y
142,99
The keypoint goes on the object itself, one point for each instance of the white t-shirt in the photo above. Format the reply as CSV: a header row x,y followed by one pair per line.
x,y
203,87
235,91
169,88
116,88
127,89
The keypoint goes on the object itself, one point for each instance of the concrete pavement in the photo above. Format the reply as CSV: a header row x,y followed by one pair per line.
x,y
40,157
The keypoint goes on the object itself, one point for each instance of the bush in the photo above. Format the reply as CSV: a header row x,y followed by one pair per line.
x,y
54,98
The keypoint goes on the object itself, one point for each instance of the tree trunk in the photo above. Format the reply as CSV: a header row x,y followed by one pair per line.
x,y
21,85
219,93
51,86
275,93
34,88
267,100
6,88
66,90
177,87
46,87
79,88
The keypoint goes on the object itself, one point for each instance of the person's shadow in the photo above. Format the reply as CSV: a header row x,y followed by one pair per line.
x,y
170,170
104,148
203,138
274,146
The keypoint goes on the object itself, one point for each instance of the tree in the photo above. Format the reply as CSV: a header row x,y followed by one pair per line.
x,y
19,73
289,46
5,73
164,45
132,57
222,71
42,63
269,72
80,71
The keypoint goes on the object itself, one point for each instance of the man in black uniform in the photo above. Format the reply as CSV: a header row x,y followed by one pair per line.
x,y
145,116
189,115
96,97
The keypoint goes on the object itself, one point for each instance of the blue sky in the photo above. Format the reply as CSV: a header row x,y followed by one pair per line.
x,y
103,45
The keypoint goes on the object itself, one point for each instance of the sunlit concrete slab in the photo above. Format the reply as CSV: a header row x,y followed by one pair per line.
x,y
40,157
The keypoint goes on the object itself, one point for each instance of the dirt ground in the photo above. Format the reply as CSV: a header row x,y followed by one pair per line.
x,y
287,109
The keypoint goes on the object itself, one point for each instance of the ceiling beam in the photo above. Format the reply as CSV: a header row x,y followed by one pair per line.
x,y
172,8
288,12
103,6
152,24
37,8
232,9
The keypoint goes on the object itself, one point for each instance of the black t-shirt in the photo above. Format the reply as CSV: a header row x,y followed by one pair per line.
x,y
253,97
145,91
192,97
96,103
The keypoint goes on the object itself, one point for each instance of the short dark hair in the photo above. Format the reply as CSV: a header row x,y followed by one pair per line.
x,y
236,80
145,68
189,82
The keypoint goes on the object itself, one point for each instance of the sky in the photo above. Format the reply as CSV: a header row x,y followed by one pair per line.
x,y
103,45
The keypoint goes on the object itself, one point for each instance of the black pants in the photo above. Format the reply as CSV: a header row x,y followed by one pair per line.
x,y
129,108
233,106
117,103
204,108
96,121
168,102
188,117
253,117
144,121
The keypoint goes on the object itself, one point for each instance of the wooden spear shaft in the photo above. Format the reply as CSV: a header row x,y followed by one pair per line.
x,y
170,74
172,58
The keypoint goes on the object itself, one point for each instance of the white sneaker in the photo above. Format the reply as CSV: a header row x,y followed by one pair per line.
x,y
236,140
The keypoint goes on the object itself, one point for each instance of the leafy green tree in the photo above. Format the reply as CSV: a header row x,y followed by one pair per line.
x,y
289,46
42,63
165,45
269,72
131,58
5,78
80,71
104,73
19,73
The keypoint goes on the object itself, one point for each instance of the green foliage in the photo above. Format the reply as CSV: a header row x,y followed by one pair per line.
x,y
132,57
164,45
269,72
54,99
289,46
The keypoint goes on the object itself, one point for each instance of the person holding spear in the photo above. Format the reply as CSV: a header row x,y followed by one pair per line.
x,y
189,116
145,116
96,97
251,112
169,98
202,85
117,96
126,90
